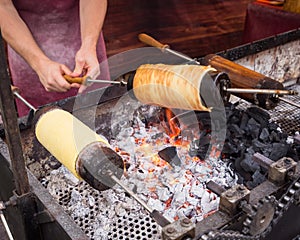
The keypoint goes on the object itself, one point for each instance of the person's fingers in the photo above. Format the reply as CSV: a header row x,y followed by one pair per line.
x,y
75,85
62,84
65,70
79,65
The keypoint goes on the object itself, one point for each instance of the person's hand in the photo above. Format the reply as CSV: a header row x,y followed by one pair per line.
x,y
51,76
86,64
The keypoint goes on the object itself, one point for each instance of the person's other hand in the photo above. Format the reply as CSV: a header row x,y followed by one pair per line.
x,y
86,64
51,76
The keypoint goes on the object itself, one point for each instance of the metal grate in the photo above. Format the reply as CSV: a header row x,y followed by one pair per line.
x,y
129,227
100,215
285,115
103,216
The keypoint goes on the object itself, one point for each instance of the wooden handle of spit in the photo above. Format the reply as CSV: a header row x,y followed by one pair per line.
x,y
151,41
14,89
80,80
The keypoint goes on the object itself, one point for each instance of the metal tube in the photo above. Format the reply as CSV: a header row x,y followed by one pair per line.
x,y
10,236
106,81
131,193
261,91
24,101
289,102
180,55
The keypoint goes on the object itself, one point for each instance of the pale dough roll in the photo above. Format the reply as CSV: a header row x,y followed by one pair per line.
x,y
64,136
172,86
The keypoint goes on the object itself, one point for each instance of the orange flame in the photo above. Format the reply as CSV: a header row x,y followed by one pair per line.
x,y
158,161
174,129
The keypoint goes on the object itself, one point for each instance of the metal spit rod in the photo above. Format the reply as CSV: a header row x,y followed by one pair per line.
x,y
261,91
289,102
15,91
165,47
131,193
86,80
9,234
157,216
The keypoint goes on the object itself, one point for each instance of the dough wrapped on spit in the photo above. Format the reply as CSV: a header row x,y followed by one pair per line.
x,y
82,151
177,86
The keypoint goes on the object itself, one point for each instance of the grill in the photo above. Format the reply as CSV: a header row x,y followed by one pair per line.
x,y
113,214
285,115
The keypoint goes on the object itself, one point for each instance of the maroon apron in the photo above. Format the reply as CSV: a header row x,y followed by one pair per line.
x,y
55,26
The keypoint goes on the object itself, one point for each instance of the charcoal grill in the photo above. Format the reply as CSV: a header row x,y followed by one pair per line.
x,y
93,217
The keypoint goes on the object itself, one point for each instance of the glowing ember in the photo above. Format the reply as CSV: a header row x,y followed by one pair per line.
x,y
174,129
175,190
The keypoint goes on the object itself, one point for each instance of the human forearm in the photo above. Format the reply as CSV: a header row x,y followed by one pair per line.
x,y
18,36
92,14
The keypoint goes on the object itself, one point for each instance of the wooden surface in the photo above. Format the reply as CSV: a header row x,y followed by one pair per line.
x,y
193,27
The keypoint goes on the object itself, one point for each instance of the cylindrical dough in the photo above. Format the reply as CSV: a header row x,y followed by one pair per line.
x,y
64,136
172,86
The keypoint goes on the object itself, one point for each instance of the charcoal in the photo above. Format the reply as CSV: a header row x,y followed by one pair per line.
x,y
235,120
229,149
258,145
274,137
279,150
235,130
244,121
293,152
250,131
169,154
246,176
264,135
253,128
259,115
272,126
248,164
257,178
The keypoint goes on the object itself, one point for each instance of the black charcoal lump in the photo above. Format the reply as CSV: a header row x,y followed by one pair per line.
x,y
249,131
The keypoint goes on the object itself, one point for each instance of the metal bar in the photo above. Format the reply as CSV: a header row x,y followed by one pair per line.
x,y
89,80
259,45
10,236
289,102
131,193
12,132
216,188
261,91
180,55
25,101
262,160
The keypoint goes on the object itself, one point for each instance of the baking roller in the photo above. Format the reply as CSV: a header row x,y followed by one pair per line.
x,y
247,84
82,151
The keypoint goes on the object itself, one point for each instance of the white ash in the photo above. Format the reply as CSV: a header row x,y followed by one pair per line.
x,y
174,191
290,140
95,212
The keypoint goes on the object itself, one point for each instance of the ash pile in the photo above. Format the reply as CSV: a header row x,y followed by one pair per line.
x,y
170,172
